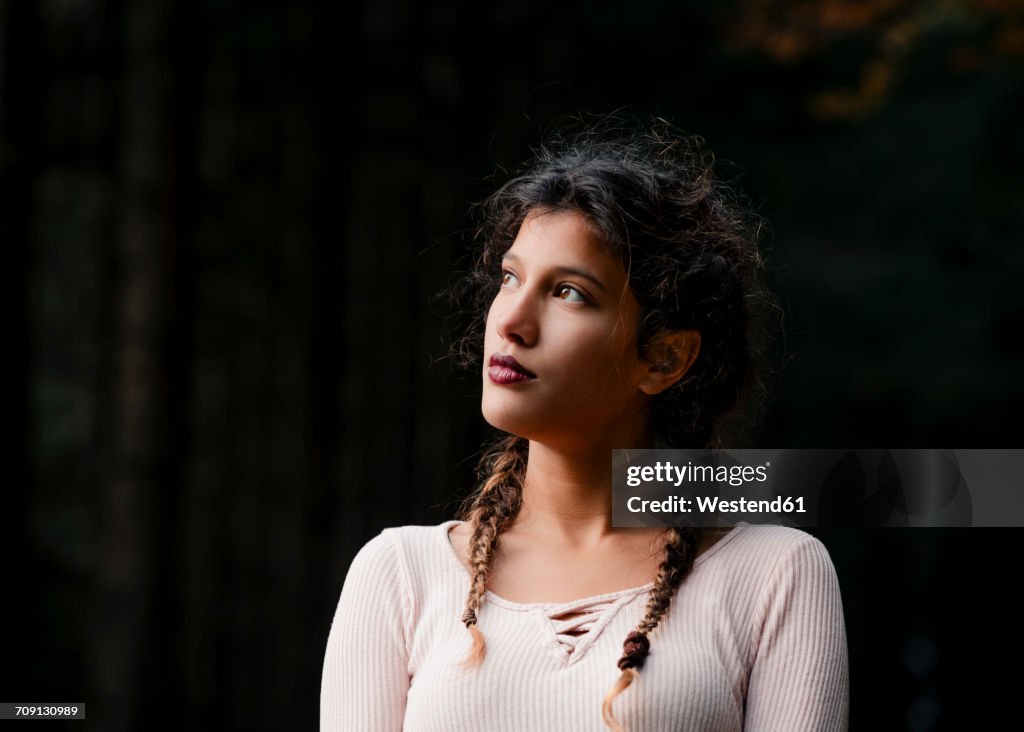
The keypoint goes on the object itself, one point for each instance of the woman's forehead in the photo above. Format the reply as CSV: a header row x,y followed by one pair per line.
x,y
562,235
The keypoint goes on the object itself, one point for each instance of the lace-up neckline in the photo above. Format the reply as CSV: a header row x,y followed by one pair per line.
x,y
571,626
576,624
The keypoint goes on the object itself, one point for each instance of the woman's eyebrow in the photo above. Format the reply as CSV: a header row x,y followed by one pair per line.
x,y
568,270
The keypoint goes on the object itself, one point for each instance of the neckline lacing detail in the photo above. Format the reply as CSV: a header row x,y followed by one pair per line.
x,y
573,624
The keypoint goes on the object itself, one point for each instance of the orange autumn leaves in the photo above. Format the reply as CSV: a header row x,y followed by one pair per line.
x,y
975,36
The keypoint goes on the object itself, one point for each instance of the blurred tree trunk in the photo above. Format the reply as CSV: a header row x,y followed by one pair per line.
x,y
135,657
335,41
20,112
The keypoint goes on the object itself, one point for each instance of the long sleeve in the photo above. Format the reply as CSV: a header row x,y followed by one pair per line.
x,y
366,669
799,680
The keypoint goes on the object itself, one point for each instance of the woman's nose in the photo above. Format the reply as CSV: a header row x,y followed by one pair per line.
x,y
517,319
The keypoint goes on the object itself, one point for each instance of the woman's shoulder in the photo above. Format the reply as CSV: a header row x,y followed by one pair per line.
x,y
775,534
768,568
409,537
773,547
421,534
410,550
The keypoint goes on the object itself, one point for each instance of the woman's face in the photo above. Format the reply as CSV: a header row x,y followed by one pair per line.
x,y
567,317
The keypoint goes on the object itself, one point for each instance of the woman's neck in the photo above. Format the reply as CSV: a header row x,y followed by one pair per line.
x,y
567,496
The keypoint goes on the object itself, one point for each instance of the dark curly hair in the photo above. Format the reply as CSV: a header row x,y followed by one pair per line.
x,y
688,242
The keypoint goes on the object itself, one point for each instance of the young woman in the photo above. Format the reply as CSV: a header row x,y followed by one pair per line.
x,y
617,275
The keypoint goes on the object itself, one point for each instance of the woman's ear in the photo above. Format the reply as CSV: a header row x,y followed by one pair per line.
x,y
669,356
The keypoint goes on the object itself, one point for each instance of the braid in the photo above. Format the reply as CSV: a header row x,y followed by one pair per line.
x,y
680,552
489,510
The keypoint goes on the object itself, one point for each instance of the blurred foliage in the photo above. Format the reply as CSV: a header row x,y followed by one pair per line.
x,y
973,35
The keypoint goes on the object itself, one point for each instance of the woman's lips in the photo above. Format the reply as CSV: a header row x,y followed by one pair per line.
x,y
506,370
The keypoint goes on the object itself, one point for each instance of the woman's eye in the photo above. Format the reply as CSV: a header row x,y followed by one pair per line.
x,y
569,294
507,278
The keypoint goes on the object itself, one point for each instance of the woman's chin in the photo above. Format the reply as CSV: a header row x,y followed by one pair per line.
x,y
508,420
500,422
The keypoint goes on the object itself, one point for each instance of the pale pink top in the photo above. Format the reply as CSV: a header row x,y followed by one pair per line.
x,y
754,640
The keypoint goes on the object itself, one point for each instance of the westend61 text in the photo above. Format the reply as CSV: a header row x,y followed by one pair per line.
x,y
714,504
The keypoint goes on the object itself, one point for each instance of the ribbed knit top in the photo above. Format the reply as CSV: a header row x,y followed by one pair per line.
x,y
754,640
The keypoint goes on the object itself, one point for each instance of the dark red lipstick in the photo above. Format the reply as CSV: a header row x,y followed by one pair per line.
x,y
506,370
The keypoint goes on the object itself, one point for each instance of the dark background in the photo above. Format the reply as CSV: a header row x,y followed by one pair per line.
x,y
223,224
